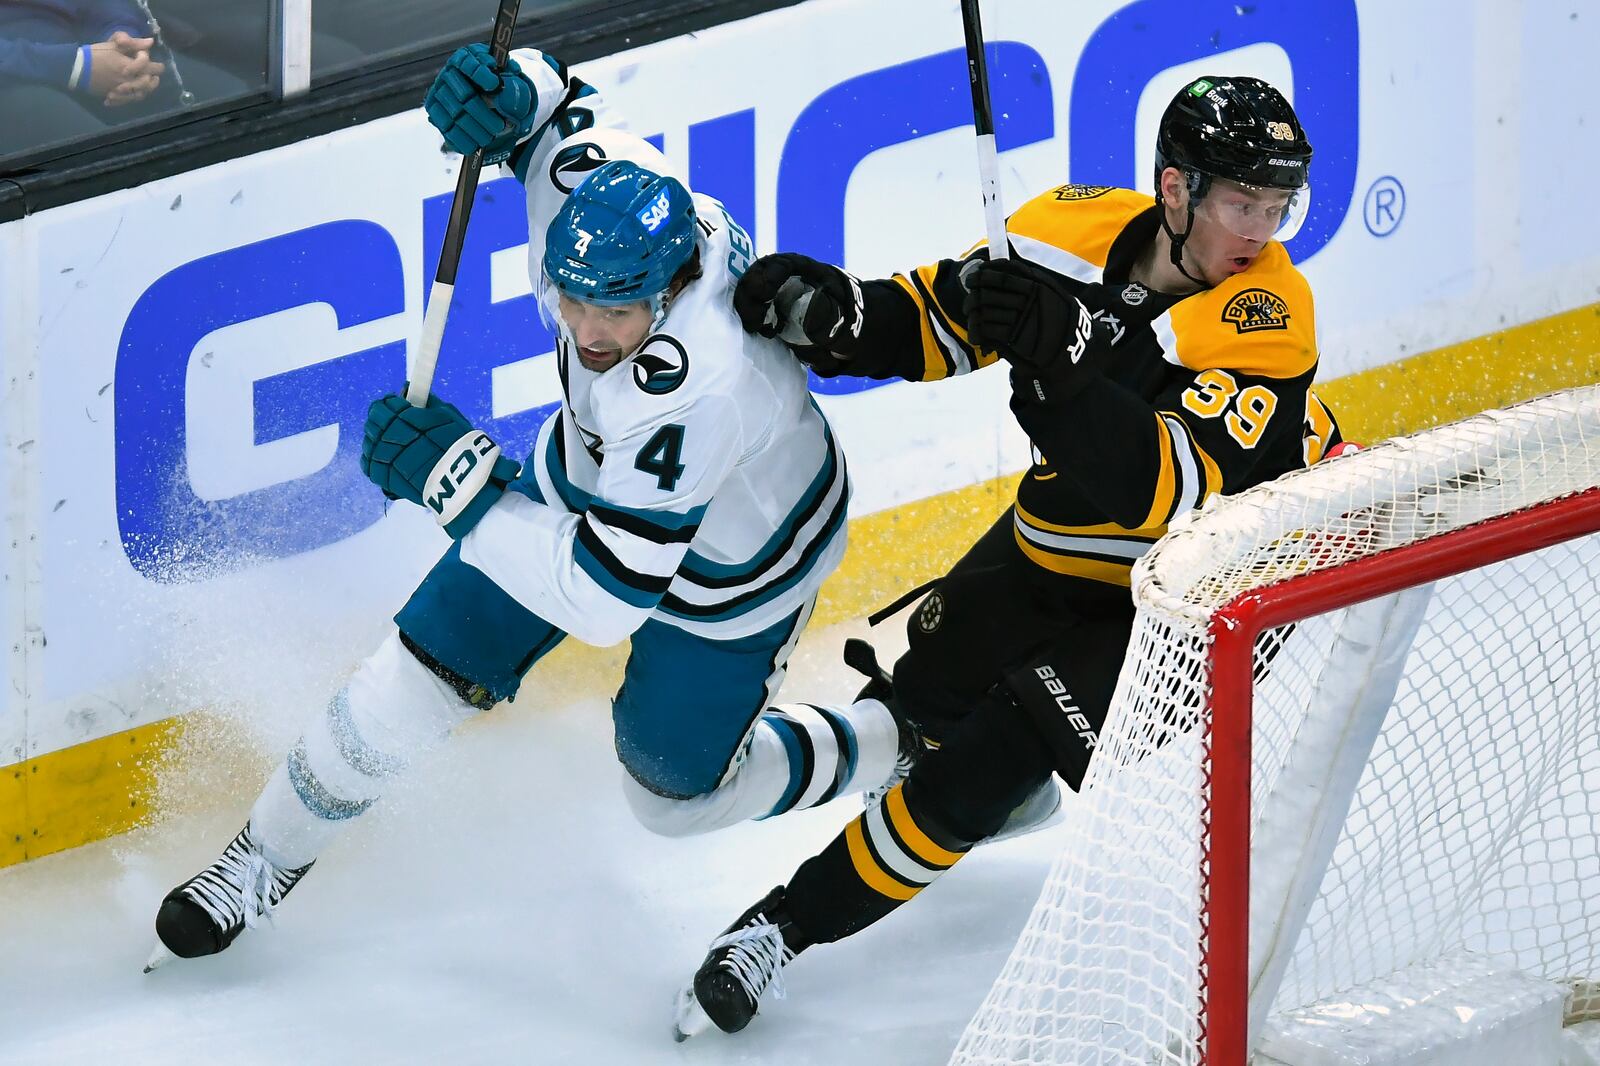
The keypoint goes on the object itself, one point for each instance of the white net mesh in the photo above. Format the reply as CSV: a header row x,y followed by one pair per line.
x,y
1475,819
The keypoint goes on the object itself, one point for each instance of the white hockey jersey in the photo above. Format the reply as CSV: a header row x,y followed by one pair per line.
x,y
695,482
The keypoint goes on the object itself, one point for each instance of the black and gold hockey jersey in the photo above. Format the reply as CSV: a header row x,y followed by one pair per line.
x,y
1203,394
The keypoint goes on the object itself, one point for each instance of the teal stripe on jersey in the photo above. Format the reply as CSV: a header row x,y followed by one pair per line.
x,y
576,499
610,582
680,608
698,568
580,502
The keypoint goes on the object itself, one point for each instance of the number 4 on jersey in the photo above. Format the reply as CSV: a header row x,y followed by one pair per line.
x,y
659,457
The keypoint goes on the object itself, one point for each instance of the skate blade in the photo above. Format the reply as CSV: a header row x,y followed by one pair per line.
x,y
158,958
691,1019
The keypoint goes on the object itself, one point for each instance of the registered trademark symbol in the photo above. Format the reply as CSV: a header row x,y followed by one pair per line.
x,y
1385,206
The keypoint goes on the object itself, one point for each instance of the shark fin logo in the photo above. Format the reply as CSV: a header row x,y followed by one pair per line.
x,y
574,163
661,365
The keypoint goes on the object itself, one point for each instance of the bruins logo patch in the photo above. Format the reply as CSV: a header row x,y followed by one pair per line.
x,y
1081,192
931,614
1256,309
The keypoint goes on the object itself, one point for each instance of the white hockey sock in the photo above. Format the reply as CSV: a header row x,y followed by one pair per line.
x,y
831,751
799,755
392,710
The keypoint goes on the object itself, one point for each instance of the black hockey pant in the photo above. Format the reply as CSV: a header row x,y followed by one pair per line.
x,y
1012,672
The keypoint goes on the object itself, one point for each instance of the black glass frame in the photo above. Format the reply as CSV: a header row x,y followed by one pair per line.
x,y
272,99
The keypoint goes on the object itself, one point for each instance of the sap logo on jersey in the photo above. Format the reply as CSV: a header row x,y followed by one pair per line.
x,y
355,266
657,213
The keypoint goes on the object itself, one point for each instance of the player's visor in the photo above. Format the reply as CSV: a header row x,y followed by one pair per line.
x,y
1252,212
607,322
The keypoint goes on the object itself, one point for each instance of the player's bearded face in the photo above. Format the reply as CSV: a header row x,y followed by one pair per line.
x,y
605,334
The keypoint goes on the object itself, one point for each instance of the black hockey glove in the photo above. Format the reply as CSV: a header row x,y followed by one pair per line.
x,y
1025,313
814,308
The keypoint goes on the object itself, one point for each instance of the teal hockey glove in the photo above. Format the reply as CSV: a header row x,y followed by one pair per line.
x,y
477,106
432,456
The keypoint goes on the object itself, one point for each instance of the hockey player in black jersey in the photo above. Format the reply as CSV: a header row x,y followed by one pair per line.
x,y
1159,354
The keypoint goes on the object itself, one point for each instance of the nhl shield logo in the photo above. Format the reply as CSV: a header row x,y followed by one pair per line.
x,y
1256,309
1135,294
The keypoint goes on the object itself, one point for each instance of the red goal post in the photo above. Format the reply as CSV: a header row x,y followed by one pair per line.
x,y
1338,686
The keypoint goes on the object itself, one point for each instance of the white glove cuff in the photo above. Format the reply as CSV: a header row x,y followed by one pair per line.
x,y
461,472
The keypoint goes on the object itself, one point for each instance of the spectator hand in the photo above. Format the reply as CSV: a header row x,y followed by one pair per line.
x,y
121,71
477,106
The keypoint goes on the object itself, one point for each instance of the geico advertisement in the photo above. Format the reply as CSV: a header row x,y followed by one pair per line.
x,y
206,346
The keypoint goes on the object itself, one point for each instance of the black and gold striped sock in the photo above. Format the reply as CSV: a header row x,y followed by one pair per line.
x,y
883,858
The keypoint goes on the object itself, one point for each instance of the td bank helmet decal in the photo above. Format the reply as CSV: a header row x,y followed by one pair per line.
x,y
660,366
573,163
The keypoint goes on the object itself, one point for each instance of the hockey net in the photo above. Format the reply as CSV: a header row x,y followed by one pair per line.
x,y
1357,730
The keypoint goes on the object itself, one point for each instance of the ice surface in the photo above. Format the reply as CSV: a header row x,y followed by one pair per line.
x,y
501,906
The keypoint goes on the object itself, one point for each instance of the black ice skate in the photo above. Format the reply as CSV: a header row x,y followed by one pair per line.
x,y
1041,810
739,967
206,913
859,656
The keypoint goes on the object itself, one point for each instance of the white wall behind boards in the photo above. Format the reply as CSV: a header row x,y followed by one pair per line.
x,y
206,345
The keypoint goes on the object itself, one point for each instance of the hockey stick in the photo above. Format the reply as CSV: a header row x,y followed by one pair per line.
x,y
455,234
983,119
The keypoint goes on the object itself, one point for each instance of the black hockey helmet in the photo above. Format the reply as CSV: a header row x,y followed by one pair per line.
x,y
1241,129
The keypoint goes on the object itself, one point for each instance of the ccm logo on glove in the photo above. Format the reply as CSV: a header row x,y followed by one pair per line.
x,y
458,476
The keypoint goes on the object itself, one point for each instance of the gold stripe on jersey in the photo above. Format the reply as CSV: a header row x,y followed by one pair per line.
x,y
1102,529
936,366
1125,548
1257,322
1166,484
940,360
1076,566
1318,429
1082,226
1213,471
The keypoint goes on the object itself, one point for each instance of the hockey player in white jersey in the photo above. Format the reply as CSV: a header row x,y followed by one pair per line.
x,y
688,494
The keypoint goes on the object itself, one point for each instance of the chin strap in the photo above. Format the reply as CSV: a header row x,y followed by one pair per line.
x,y
1197,187
1177,240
